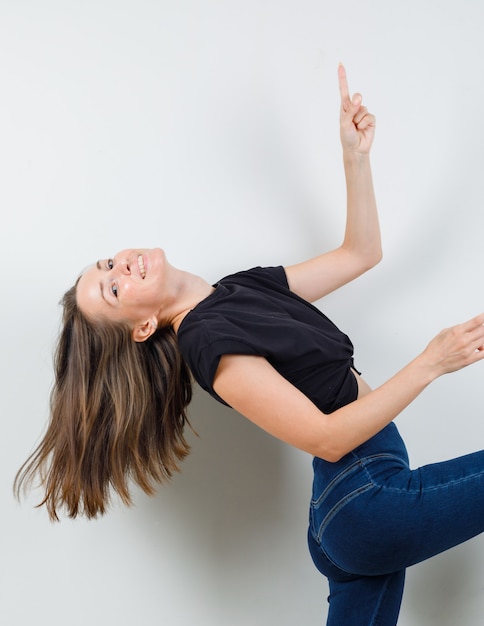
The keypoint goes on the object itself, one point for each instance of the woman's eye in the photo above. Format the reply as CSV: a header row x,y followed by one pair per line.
x,y
114,291
110,264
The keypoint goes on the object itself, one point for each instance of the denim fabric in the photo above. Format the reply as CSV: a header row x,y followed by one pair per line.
x,y
371,517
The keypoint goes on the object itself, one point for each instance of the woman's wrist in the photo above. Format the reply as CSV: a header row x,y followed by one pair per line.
x,y
356,165
426,371
351,156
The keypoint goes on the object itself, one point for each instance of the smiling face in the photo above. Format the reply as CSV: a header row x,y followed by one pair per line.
x,y
125,288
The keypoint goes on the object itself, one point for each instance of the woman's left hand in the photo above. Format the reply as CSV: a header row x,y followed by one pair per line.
x,y
357,126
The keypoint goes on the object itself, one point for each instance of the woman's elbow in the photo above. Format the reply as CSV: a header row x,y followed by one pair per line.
x,y
365,260
373,258
378,256
329,453
332,443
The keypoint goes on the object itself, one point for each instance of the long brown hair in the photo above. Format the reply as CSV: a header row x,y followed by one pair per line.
x,y
117,413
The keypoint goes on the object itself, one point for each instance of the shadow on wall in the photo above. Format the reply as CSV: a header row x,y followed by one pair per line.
x,y
230,493
440,591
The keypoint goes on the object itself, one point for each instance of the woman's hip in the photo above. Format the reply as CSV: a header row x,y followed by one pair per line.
x,y
371,514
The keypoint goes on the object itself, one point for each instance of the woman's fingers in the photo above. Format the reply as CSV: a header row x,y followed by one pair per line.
x,y
475,330
460,345
343,88
368,121
474,323
362,119
356,124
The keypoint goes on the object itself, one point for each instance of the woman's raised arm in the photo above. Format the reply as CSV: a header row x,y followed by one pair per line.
x,y
361,247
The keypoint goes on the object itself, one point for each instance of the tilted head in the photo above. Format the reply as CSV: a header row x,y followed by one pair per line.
x,y
129,287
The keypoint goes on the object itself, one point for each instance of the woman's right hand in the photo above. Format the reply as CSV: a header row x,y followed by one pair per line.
x,y
456,347
357,125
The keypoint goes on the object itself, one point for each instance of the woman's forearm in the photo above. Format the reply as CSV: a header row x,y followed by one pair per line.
x,y
355,423
362,233
451,350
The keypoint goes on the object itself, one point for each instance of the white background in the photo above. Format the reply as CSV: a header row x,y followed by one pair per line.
x,y
210,128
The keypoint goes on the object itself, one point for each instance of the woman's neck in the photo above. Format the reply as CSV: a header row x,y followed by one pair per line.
x,y
190,291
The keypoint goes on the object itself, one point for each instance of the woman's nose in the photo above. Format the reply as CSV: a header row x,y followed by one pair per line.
x,y
124,266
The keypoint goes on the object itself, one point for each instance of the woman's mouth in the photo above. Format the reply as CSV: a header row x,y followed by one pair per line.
x,y
141,265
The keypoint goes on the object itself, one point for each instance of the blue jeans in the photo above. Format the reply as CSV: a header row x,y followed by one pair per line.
x,y
371,517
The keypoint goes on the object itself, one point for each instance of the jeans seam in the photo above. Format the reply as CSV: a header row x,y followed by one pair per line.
x,y
338,507
359,463
445,485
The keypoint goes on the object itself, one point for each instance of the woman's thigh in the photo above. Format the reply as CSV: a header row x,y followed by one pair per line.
x,y
396,517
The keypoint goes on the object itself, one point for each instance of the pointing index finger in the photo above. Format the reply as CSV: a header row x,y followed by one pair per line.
x,y
343,87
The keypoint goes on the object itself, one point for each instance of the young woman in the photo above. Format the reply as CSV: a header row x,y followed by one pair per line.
x,y
134,326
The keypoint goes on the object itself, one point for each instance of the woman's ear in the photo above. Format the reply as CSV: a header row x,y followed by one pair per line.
x,y
142,331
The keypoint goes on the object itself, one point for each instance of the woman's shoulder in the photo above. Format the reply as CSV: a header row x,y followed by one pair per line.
x,y
258,275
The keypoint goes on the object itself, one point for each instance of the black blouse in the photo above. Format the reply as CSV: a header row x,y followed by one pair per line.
x,y
254,312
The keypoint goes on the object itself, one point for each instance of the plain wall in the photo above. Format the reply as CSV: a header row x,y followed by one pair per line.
x,y
210,128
